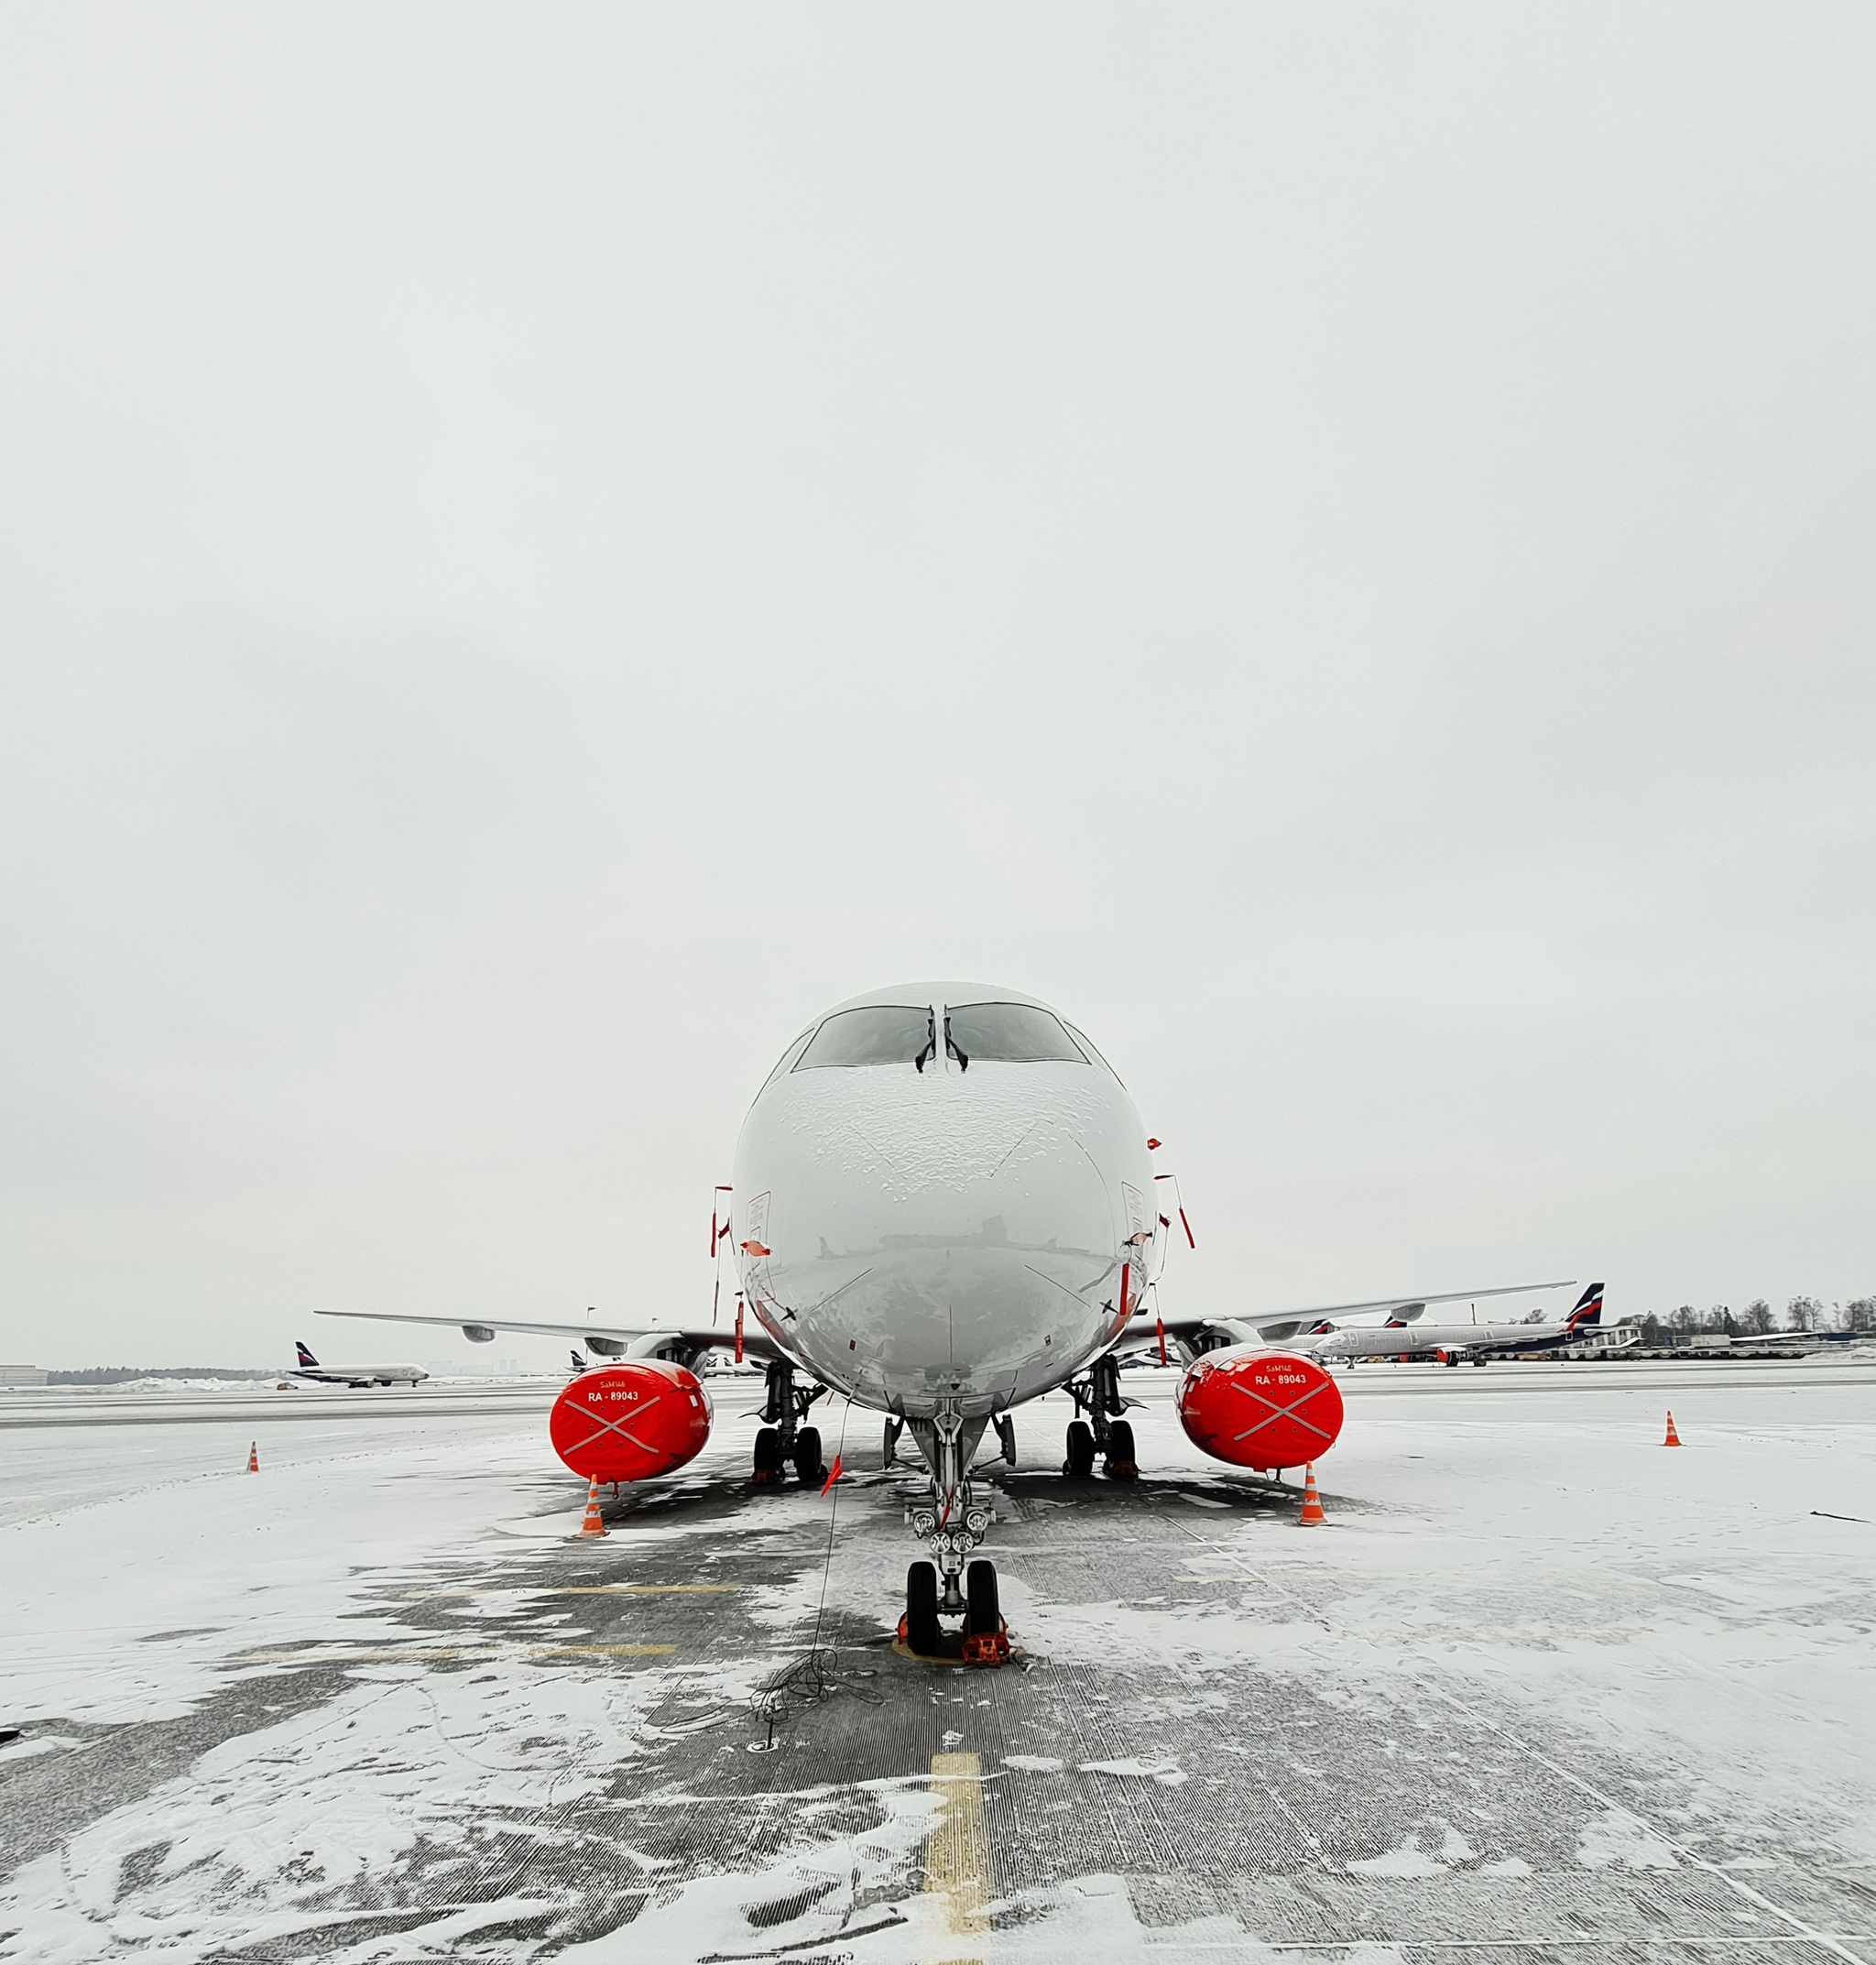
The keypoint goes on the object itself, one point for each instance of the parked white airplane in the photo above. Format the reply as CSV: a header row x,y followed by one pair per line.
x,y
1403,1336
944,1207
355,1375
1479,1343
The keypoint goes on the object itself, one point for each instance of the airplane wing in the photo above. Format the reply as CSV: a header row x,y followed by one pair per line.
x,y
610,1340
1277,1326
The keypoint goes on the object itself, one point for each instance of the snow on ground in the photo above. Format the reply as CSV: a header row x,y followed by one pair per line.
x,y
131,1607
1528,1557
1705,1607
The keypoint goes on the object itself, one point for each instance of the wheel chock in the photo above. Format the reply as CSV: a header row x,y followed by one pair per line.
x,y
989,1647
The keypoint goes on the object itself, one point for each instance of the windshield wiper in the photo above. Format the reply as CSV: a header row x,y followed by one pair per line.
x,y
964,1064
931,1050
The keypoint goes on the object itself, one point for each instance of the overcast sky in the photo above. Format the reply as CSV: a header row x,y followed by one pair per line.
x,y
541,547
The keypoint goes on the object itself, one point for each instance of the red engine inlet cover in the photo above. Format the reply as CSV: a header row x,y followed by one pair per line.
x,y
1254,1408
630,1422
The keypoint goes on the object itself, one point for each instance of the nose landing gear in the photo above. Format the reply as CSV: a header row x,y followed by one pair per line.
x,y
984,1638
951,1522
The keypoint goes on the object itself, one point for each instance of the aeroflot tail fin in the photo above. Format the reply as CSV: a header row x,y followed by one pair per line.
x,y
1589,1309
579,1362
306,1357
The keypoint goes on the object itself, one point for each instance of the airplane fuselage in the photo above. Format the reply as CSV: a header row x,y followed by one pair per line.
x,y
1413,1340
956,1234
359,1375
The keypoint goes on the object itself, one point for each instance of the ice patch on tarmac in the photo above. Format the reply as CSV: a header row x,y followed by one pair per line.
x,y
1167,1773
828,1892
1407,1860
1620,1839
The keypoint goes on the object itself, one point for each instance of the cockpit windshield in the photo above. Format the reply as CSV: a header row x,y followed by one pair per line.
x,y
877,1033
1008,1034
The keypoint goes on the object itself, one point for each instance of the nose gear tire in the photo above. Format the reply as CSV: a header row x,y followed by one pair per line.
x,y
921,1609
980,1598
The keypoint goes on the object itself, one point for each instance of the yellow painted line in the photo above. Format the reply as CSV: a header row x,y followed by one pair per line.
x,y
587,1590
600,1651
957,1851
478,1653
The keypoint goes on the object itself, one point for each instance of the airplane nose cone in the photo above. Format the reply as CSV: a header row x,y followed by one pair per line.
x,y
943,1237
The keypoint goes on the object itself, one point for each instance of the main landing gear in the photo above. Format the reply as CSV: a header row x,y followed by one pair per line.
x,y
951,1520
1103,1432
783,1439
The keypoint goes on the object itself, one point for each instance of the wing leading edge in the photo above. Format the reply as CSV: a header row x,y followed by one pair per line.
x,y
1276,1325
611,1340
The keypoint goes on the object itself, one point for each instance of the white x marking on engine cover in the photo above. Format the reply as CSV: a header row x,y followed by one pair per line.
x,y
613,1425
1280,1411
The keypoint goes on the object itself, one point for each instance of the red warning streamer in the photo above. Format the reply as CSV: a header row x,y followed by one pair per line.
x,y
1180,1204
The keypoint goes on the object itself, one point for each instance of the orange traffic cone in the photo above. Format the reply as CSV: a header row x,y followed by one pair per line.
x,y
592,1525
254,1456
1312,1516
1673,1438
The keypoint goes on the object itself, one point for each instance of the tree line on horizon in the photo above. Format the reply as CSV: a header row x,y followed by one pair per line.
x,y
122,1374
1758,1319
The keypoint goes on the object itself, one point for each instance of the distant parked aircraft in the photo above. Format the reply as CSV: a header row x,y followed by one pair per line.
x,y
354,1375
1400,1338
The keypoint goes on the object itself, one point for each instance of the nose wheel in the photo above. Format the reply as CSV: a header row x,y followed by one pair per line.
x,y
985,1638
986,1635
921,1629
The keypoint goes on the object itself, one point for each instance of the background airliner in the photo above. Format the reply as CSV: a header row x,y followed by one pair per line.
x,y
1402,1335
310,1367
944,1207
